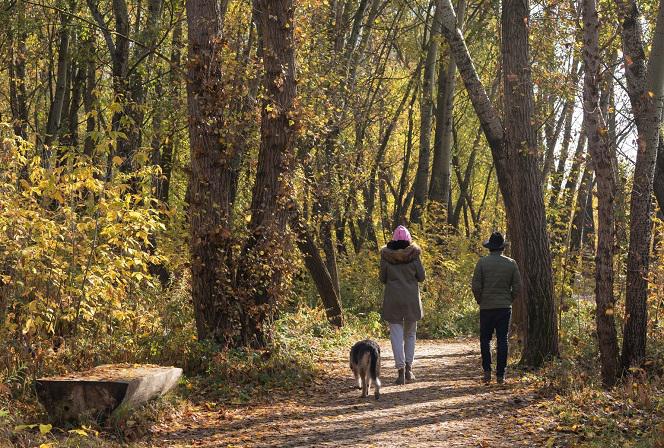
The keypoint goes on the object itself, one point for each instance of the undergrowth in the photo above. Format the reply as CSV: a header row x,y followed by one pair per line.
x,y
232,377
629,415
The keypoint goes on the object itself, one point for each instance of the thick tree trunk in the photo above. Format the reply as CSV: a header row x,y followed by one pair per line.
x,y
600,150
517,169
261,285
215,308
645,87
527,217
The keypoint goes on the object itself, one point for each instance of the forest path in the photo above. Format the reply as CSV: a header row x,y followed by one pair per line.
x,y
446,407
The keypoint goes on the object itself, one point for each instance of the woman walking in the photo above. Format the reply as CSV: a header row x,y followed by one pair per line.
x,y
401,270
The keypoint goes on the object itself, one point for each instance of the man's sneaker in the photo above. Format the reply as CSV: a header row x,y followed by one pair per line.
x,y
500,379
487,377
410,376
401,378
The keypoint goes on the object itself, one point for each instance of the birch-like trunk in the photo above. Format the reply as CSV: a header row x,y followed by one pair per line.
x,y
602,161
439,188
420,186
645,85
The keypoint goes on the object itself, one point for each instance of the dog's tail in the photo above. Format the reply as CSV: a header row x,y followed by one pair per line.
x,y
375,367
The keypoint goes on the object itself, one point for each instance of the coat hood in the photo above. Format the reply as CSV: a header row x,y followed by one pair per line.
x,y
400,256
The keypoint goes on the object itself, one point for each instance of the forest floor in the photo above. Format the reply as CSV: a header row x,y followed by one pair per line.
x,y
447,406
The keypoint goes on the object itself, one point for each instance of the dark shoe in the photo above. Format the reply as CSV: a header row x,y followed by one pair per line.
x,y
401,378
410,376
500,379
487,377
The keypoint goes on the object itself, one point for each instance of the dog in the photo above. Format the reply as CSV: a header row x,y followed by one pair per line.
x,y
365,364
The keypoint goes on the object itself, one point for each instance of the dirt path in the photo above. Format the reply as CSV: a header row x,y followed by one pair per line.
x,y
446,407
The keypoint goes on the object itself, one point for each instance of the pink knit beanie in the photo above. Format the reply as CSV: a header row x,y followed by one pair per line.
x,y
401,234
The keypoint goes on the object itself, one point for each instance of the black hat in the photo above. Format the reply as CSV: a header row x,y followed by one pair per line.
x,y
496,242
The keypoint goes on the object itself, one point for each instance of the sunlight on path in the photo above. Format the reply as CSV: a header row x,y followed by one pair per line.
x,y
446,407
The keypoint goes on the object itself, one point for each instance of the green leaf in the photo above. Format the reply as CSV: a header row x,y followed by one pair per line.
x,y
45,429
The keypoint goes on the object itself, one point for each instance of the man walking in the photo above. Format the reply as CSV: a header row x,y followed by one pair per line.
x,y
496,283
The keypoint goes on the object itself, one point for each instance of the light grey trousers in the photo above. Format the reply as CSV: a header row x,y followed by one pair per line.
x,y
402,337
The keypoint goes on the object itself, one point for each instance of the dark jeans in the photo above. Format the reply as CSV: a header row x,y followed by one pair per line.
x,y
498,320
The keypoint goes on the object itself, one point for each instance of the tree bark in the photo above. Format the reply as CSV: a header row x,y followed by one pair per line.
x,y
600,150
420,186
316,267
89,97
439,189
579,216
55,111
215,308
645,86
260,285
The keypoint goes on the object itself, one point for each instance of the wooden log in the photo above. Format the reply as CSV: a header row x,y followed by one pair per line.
x,y
103,390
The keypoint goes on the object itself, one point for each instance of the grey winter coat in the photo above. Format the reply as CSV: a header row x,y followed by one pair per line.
x,y
401,271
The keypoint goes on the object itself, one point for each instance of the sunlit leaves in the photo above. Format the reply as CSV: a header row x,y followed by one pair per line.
x,y
78,245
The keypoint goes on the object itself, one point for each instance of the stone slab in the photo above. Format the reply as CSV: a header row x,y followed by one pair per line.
x,y
97,393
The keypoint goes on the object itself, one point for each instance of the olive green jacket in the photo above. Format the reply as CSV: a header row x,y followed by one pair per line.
x,y
496,281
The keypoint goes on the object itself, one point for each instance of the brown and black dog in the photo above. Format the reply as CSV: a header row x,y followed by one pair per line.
x,y
365,364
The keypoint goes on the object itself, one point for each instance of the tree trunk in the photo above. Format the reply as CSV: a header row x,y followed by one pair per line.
x,y
557,177
552,135
316,267
366,225
420,186
517,168
71,138
580,214
600,150
89,97
659,175
399,215
215,308
261,285
55,111
17,77
439,189
645,86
